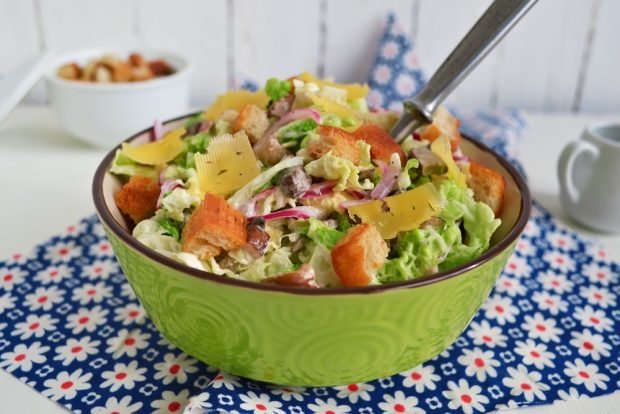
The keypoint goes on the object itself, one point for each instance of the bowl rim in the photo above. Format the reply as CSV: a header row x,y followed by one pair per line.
x,y
106,217
182,67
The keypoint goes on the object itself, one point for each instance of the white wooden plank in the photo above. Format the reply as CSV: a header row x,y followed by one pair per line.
x,y
74,24
441,25
279,38
542,56
18,32
196,30
19,38
353,30
601,92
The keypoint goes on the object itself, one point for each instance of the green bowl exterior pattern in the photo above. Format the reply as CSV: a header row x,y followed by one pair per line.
x,y
302,339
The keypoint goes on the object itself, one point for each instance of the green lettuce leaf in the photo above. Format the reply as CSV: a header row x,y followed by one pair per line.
x,y
319,232
123,165
277,89
291,135
426,250
273,263
179,200
331,167
150,233
321,262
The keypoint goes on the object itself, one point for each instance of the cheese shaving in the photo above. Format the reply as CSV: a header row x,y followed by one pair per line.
x,y
236,100
441,147
228,164
331,106
354,90
401,212
158,152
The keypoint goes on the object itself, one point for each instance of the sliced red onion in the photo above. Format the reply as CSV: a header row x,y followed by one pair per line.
x,y
389,175
359,195
299,213
162,175
205,126
350,203
294,115
249,209
458,158
166,187
319,190
157,131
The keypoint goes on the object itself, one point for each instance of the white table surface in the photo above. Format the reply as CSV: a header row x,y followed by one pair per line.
x,y
45,178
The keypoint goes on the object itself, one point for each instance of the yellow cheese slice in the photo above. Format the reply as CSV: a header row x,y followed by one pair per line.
x,y
402,212
354,90
330,106
158,152
228,164
236,100
441,148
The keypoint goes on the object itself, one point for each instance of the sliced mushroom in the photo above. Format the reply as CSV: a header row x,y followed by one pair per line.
x,y
295,182
303,277
430,163
257,237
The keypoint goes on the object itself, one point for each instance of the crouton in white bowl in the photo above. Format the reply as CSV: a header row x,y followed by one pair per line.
x,y
102,113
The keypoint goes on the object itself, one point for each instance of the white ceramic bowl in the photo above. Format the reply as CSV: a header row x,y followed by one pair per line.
x,y
105,113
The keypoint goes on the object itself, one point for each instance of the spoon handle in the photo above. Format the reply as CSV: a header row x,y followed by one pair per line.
x,y
491,27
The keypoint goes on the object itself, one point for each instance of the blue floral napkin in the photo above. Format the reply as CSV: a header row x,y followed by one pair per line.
x,y
71,328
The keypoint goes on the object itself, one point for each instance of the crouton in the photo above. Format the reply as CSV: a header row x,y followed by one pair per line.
x,y
489,186
138,198
443,124
357,257
213,226
382,146
340,142
253,121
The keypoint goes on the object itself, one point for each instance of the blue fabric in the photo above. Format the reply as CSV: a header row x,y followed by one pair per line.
x,y
71,328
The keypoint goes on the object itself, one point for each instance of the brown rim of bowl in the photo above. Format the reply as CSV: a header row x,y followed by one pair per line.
x,y
106,217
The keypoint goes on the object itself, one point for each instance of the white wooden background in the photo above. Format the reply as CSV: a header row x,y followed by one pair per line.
x,y
564,56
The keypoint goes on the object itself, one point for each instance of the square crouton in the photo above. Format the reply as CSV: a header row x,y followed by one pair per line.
x,y
138,198
213,226
359,255
382,145
488,185
340,142
253,120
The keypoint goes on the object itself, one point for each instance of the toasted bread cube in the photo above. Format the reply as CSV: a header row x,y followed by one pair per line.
x,y
443,124
382,146
253,120
488,185
340,142
213,226
138,198
357,257
69,71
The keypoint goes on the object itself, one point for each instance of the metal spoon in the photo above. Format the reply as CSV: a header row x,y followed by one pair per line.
x,y
497,20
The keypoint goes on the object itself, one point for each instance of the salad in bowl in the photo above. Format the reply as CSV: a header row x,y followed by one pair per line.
x,y
300,184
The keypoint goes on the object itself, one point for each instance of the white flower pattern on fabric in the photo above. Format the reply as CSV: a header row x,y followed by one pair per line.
x,y
586,374
400,403
595,319
483,333
175,368
500,309
76,350
123,376
422,378
34,325
525,383
465,397
539,327
479,363
66,385
10,277
122,406
589,344
44,298
127,343
86,319
535,354
260,404
24,357
170,402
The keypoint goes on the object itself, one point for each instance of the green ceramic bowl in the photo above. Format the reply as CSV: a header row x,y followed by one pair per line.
x,y
310,337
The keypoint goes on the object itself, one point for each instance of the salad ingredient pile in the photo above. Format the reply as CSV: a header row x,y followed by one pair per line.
x,y
300,184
